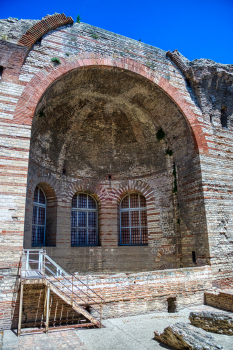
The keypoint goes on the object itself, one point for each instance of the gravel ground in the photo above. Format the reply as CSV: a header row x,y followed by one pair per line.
x,y
126,333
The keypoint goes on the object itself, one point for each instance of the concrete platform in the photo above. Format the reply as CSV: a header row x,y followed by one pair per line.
x,y
126,333
137,332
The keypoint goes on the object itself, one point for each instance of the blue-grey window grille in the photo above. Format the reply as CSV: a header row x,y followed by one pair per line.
x,y
39,217
133,220
84,220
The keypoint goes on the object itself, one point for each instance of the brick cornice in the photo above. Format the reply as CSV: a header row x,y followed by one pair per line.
x,y
42,27
38,85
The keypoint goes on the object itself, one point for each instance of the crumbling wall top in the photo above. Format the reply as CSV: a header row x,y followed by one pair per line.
x,y
42,27
212,84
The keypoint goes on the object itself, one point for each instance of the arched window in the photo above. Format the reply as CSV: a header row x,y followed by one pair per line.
x,y
39,217
133,220
84,220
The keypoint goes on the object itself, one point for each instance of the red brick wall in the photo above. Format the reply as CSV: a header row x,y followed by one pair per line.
x,y
220,299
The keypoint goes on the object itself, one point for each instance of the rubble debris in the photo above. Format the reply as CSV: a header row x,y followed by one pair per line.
x,y
186,337
215,322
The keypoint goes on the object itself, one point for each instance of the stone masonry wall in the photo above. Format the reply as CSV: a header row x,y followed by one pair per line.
x,y
124,295
132,294
220,299
80,40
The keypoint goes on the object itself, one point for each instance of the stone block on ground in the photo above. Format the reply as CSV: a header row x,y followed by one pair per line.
x,y
215,322
186,337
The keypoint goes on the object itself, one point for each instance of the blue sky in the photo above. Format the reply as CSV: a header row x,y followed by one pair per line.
x,y
198,28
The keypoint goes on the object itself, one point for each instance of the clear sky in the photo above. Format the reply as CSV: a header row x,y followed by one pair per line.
x,y
198,28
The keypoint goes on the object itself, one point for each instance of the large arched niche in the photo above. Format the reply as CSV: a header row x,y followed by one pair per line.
x,y
100,124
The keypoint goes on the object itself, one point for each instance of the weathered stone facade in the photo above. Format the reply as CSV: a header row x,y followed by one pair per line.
x,y
90,124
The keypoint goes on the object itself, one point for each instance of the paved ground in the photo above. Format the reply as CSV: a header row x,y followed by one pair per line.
x,y
52,341
1,336
127,333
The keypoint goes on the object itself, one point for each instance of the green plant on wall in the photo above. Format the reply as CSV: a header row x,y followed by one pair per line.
x,y
160,134
150,65
78,19
168,152
94,35
41,114
55,60
4,37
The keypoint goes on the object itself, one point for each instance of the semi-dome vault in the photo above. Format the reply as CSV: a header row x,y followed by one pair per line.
x,y
103,124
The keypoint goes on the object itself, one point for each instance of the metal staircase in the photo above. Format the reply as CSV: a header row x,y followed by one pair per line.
x,y
37,267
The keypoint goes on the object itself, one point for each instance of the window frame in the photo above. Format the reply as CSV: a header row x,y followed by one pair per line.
x,y
37,204
86,227
140,209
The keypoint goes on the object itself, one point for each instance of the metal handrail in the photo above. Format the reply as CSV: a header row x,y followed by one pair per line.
x,y
60,271
75,295
69,273
70,282
77,288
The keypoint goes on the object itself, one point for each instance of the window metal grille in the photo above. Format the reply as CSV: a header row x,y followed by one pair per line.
x,y
39,217
133,220
84,220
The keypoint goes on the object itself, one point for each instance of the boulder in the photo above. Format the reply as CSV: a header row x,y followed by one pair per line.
x,y
216,322
186,337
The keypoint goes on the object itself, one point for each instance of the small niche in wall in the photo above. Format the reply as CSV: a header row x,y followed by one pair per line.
x,y
194,257
171,305
1,71
224,117
39,41
188,82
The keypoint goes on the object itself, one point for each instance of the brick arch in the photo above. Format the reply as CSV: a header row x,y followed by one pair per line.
x,y
48,191
38,85
134,186
114,196
140,187
42,27
51,209
50,185
86,186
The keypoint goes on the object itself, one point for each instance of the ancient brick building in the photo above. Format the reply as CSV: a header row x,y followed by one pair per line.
x,y
117,158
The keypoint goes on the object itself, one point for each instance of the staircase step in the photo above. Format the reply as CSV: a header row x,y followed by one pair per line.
x,y
42,330
68,287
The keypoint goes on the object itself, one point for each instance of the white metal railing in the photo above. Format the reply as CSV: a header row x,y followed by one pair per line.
x,y
37,264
